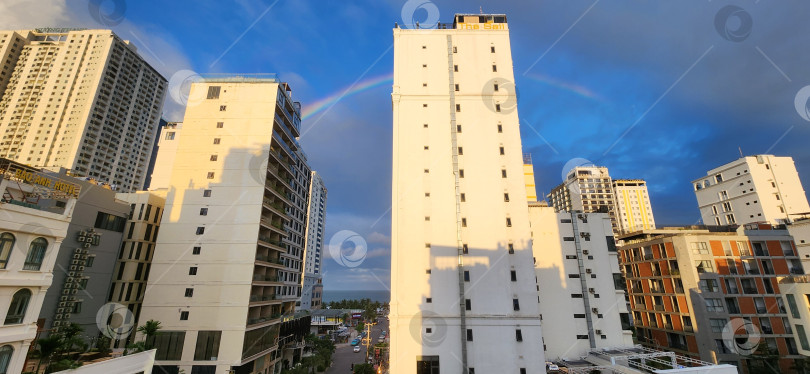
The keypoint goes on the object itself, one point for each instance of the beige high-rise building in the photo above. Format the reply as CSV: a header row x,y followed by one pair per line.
x,y
226,271
463,290
78,99
633,209
761,188
587,189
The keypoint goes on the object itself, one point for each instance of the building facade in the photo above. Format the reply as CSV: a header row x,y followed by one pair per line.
x,y
131,272
34,220
79,99
227,268
581,288
799,229
462,276
587,189
795,292
633,209
696,292
761,188
312,287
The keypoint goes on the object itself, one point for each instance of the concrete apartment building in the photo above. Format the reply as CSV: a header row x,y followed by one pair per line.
x,y
312,287
226,272
799,229
581,288
79,99
131,272
35,212
761,188
633,209
87,256
687,285
795,292
587,189
463,293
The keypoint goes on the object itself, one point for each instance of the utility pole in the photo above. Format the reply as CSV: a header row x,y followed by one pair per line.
x,y
368,337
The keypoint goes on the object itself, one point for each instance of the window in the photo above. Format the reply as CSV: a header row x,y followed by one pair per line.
x,y
463,222
511,248
463,198
428,300
427,364
704,266
213,92
210,175
222,108
460,151
503,173
717,324
216,140
6,352
794,309
203,211
494,68
469,335
461,173
207,345
184,315
492,49
466,275
518,335
458,107
502,151
500,128
455,49
83,283
458,128
515,304
495,87
513,275
169,345
6,245
206,193
110,222
189,292
220,125
455,68
506,197
508,222
18,306
192,270
699,248
213,157
200,230
497,107
708,285
456,87
170,135
802,337
467,304
714,305
464,249
36,253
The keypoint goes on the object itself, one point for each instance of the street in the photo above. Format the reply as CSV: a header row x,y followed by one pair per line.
x,y
344,355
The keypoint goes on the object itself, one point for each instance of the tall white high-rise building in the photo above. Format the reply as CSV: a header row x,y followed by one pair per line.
x,y
761,188
79,99
463,290
633,208
312,287
226,271
588,189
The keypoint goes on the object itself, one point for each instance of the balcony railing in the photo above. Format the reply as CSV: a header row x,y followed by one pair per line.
x,y
678,289
688,329
668,326
658,307
255,298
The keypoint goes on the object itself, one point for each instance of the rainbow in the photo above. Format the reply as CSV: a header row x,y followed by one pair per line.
x,y
563,85
331,100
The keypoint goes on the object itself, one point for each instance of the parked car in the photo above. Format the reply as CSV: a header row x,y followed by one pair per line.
x,y
356,348
551,367
355,342
381,339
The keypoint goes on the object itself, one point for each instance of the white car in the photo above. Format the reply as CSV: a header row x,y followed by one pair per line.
x,y
356,348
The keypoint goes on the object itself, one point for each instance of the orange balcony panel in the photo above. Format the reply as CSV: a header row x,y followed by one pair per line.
x,y
717,247
780,266
682,305
691,343
670,249
774,248
747,305
772,307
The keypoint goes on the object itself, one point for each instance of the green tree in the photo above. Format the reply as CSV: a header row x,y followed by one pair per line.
x,y
47,348
364,369
149,330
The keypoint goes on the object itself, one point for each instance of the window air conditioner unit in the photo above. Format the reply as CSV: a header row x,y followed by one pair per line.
x,y
81,268
62,304
81,239
67,315
77,255
73,291
598,332
588,271
58,316
87,245
63,298
585,252
69,280
84,251
595,310
75,262
73,298
73,267
60,310
78,250
72,274
591,290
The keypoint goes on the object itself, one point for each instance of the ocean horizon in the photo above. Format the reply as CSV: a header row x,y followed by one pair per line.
x,y
382,296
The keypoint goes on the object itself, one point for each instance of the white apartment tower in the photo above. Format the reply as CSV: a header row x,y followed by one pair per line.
x,y
79,99
226,271
582,290
313,244
761,188
633,208
586,189
463,293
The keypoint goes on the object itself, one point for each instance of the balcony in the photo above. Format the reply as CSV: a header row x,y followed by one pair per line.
x,y
675,272
648,256
750,290
678,289
688,328
658,307
668,326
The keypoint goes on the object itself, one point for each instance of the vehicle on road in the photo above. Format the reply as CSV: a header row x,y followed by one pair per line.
x,y
355,342
552,367
381,339
356,348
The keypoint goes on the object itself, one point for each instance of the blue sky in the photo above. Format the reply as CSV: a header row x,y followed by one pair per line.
x,y
650,89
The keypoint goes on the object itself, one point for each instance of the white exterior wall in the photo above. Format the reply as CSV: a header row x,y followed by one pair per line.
x,y
800,231
762,188
167,151
633,208
425,203
557,306
313,242
27,224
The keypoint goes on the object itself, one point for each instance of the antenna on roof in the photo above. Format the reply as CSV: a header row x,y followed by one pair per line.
x,y
741,154
481,9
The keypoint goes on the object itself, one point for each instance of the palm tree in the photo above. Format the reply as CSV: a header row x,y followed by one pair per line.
x,y
149,330
47,348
